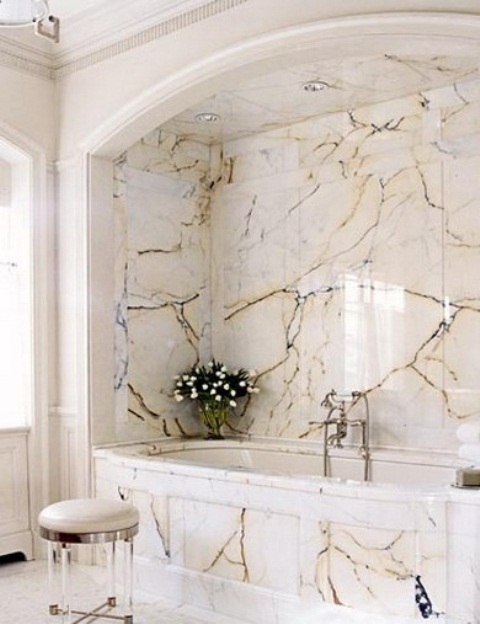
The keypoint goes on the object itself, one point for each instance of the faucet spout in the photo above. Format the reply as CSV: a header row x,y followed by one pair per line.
x,y
335,439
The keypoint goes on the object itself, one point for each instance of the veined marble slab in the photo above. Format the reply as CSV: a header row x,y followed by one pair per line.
x,y
336,252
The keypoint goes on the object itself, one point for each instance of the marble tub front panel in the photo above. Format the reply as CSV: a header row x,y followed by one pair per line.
x,y
229,537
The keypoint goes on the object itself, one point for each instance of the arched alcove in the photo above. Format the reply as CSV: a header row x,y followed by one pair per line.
x,y
393,35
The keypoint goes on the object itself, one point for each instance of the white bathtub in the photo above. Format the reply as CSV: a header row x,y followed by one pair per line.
x,y
294,459
250,529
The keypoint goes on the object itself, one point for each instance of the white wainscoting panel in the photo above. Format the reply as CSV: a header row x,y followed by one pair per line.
x,y
15,534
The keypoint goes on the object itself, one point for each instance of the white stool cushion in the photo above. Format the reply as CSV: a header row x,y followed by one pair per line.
x,y
88,515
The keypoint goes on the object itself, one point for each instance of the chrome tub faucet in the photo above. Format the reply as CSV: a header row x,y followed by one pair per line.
x,y
339,406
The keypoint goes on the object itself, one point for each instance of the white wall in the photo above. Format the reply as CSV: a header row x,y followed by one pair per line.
x,y
27,105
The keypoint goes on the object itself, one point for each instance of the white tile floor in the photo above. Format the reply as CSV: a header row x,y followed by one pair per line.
x,y
24,598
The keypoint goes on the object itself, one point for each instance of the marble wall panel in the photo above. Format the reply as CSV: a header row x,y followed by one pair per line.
x,y
462,265
161,278
368,263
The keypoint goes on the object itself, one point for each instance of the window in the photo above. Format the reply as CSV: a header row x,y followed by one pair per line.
x,y
15,299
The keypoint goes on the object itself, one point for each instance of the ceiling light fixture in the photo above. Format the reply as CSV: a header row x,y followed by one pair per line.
x,y
28,13
207,118
312,86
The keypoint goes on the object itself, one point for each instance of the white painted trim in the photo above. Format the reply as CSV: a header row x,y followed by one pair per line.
x,y
147,35
24,64
101,288
130,25
84,295
61,412
38,451
63,440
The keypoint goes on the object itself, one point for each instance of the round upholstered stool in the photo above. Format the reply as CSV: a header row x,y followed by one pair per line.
x,y
89,521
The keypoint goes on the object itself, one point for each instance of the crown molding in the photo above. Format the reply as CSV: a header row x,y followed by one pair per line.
x,y
104,26
23,57
199,11
95,44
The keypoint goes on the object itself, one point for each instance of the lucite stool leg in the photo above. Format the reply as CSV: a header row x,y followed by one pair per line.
x,y
52,558
66,561
111,591
128,581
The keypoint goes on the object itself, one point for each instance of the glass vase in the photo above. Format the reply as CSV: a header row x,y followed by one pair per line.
x,y
213,415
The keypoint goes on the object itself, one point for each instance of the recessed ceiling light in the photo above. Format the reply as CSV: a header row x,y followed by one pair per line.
x,y
207,118
314,85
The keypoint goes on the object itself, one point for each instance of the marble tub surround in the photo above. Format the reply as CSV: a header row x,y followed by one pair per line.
x,y
336,252
271,546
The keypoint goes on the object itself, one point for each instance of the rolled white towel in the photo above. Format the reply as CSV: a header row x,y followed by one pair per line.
x,y
469,432
470,452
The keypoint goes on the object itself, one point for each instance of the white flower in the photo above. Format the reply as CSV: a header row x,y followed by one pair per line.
x,y
249,390
197,370
224,369
213,391
218,398
189,383
242,384
210,364
178,397
194,395
204,387
232,392
233,404
185,377
226,386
